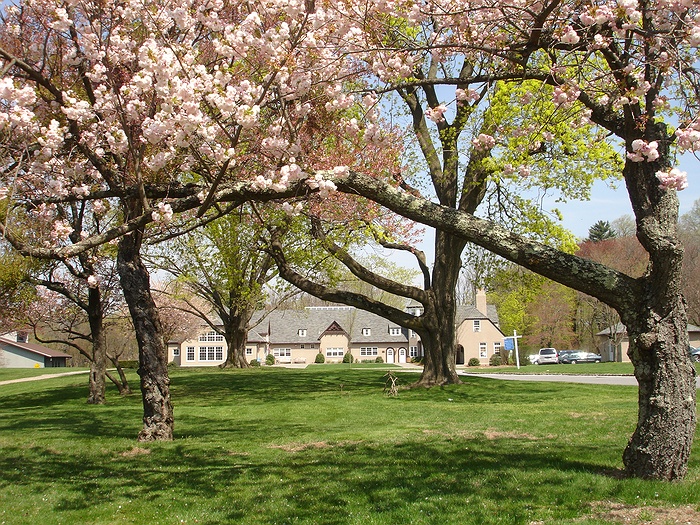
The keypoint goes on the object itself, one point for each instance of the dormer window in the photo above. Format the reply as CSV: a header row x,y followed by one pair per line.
x,y
210,337
394,330
302,332
366,331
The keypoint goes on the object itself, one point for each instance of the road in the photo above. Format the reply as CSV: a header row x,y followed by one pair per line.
x,y
567,378
43,376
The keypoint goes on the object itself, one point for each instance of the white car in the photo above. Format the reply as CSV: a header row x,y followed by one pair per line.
x,y
547,356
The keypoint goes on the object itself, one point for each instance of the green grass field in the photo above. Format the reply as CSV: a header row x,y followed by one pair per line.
x,y
326,446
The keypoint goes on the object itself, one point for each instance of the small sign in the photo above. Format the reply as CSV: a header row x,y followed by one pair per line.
x,y
509,343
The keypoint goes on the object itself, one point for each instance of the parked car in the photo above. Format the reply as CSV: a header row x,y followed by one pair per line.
x,y
694,354
581,357
564,353
547,356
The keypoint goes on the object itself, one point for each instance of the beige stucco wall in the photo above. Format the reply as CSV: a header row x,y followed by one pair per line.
x,y
197,344
334,341
470,340
606,354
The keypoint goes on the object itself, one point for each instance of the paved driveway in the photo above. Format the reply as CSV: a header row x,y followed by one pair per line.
x,y
564,378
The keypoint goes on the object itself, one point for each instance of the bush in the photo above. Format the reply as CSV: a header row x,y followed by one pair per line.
x,y
417,360
320,358
495,360
269,359
379,359
173,364
348,358
474,361
129,363
254,362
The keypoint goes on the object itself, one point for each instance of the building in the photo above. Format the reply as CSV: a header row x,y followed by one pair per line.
x,y
297,336
17,352
607,347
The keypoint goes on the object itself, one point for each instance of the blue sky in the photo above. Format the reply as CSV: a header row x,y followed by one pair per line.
x,y
608,204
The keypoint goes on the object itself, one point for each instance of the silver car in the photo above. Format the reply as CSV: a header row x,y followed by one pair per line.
x,y
547,356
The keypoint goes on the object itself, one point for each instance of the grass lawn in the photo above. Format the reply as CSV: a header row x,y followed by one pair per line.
x,y
326,446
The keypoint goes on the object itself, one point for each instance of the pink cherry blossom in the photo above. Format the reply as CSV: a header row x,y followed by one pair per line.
x,y
673,179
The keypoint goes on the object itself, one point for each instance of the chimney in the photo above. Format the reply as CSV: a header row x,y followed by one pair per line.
x,y
481,301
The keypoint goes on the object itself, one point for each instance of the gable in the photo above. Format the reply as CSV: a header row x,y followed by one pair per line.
x,y
334,328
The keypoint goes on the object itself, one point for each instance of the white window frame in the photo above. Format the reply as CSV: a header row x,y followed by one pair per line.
x,y
497,347
302,332
368,351
335,352
394,330
176,352
476,325
282,352
211,353
483,350
248,350
366,331
210,337
191,353
412,351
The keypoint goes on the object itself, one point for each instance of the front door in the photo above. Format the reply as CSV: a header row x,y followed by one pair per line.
x,y
390,355
402,355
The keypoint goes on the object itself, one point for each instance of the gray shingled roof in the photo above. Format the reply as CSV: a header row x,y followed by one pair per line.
x,y
285,325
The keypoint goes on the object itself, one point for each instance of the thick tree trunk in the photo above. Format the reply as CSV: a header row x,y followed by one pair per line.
x,y
236,347
98,364
236,336
155,383
657,325
440,338
661,443
438,365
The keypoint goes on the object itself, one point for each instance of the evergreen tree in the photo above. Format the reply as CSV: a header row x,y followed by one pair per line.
x,y
601,231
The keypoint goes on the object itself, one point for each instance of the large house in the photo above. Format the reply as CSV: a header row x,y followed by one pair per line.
x,y
615,348
297,336
17,352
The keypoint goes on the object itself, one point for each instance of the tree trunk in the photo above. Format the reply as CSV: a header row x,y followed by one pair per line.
x,y
155,383
440,338
661,443
98,364
657,325
236,337
122,384
236,349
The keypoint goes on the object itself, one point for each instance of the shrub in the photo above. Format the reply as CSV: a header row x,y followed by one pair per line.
x,y
129,363
495,360
269,359
348,358
320,358
379,359
254,362
173,364
417,360
474,361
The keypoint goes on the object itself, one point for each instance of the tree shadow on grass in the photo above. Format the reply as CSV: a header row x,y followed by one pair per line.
x,y
318,484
